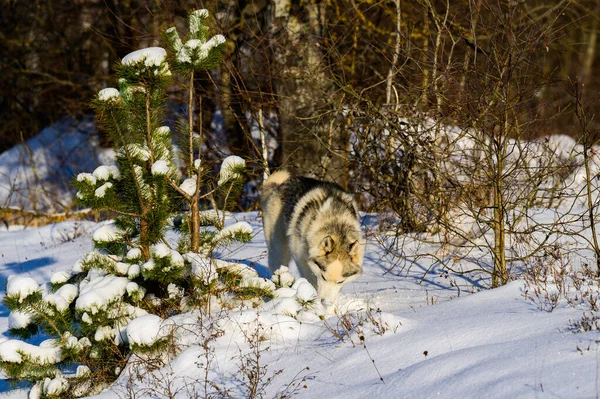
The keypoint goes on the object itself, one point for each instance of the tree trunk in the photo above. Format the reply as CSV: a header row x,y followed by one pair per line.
x,y
194,226
500,272
231,106
144,229
587,144
302,91
590,52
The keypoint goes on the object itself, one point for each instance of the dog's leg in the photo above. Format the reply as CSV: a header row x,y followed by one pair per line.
x,y
275,233
279,252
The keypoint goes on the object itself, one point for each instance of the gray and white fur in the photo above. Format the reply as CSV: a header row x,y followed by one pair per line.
x,y
317,224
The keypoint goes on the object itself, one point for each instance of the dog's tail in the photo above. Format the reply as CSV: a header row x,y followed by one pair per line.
x,y
273,181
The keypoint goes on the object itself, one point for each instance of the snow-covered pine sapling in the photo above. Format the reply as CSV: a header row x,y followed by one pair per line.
x,y
136,188
60,314
86,310
198,53
121,297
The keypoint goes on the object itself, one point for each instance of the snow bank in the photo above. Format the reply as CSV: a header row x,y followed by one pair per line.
x,y
273,324
491,343
58,153
283,306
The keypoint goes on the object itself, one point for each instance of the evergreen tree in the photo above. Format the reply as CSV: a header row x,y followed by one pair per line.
x,y
136,188
115,300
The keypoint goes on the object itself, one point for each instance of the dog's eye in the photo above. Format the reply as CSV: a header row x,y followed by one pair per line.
x,y
352,245
340,282
323,277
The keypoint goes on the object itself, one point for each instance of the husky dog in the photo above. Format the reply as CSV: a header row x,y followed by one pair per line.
x,y
315,223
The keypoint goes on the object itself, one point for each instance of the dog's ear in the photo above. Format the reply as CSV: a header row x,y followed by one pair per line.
x,y
326,245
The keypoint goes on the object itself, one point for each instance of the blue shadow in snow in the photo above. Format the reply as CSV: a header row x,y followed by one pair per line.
x,y
31,264
262,270
6,385
423,275
4,312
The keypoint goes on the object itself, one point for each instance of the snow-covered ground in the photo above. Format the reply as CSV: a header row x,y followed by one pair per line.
x,y
470,343
36,175
405,329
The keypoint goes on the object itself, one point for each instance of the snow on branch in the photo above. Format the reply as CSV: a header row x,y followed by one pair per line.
x,y
232,168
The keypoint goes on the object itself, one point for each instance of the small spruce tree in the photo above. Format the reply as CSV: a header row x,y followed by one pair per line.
x,y
115,300
136,188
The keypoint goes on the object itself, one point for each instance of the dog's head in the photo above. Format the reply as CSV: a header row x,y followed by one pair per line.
x,y
336,258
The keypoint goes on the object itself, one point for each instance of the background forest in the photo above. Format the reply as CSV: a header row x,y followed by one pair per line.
x,y
316,69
